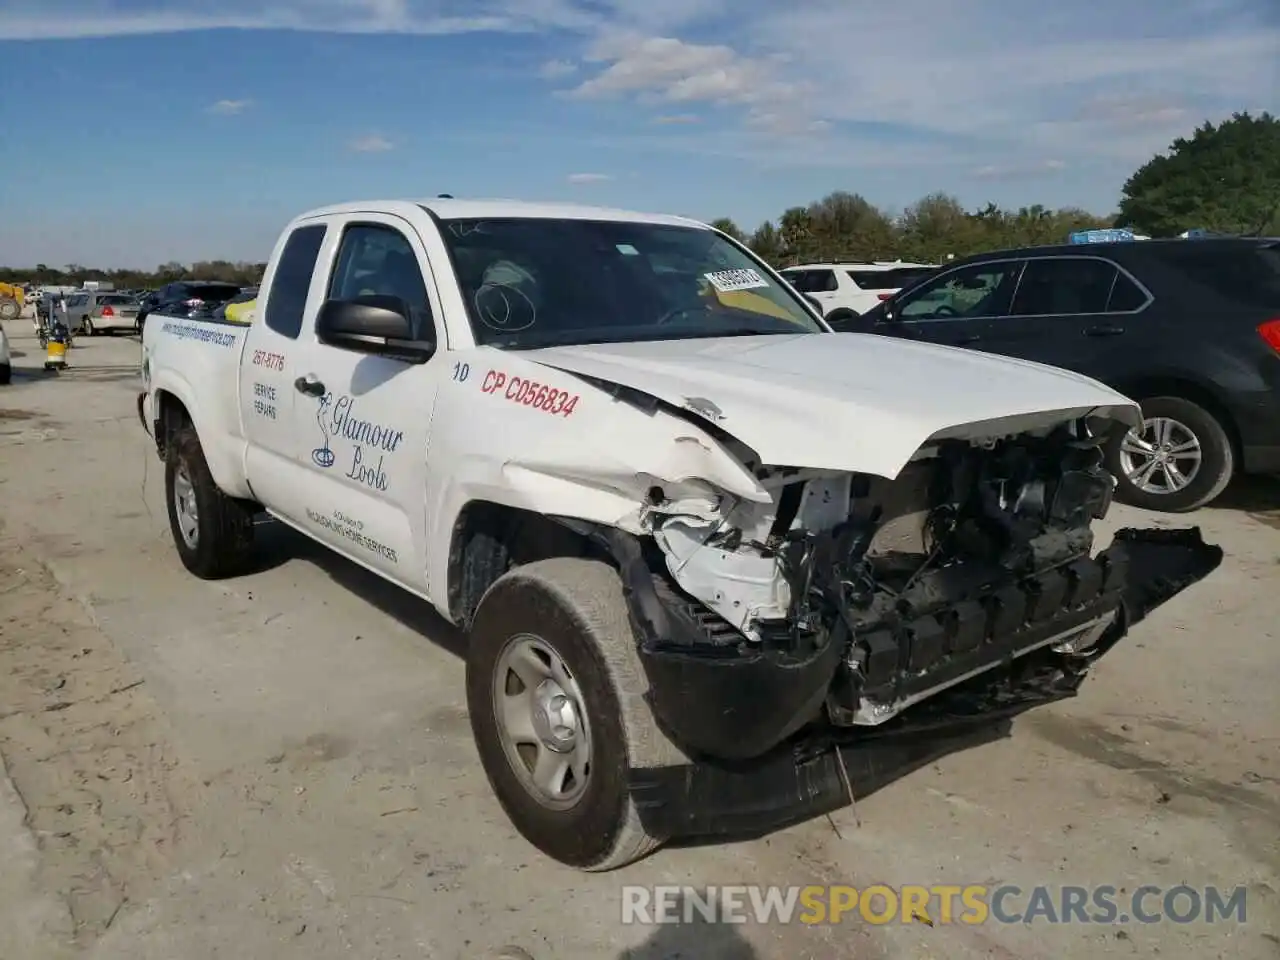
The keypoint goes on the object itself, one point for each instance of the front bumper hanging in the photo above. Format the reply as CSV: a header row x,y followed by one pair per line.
x,y
820,769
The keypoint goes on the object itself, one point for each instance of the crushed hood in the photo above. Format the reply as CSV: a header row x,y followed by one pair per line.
x,y
850,402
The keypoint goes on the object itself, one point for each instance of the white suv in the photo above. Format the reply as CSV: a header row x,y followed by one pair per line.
x,y
848,290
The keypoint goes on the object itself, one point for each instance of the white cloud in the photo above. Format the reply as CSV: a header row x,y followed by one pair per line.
x,y
229,107
999,83
1010,81
1125,110
588,177
71,19
371,144
1011,171
1091,78
669,70
555,69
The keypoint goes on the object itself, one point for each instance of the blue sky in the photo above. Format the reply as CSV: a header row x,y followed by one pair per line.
x,y
142,131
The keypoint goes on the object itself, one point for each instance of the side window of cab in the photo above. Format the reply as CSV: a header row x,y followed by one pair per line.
x,y
377,260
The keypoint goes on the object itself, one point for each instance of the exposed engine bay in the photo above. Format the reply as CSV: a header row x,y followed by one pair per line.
x,y
855,597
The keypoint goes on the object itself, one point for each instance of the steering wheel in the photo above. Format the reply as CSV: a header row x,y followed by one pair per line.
x,y
945,310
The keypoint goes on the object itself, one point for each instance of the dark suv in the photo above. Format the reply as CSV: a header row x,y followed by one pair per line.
x,y
1188,328
185,297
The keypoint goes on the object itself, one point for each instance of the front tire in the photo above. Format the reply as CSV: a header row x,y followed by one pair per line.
x,y
555,692
1179,460
213,532
6,374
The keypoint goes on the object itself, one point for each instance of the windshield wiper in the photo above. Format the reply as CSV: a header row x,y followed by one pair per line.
x,y
634,335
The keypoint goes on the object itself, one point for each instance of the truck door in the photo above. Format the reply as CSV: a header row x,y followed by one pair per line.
x,y
362,419
271,354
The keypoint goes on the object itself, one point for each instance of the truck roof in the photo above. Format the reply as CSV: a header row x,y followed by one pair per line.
x,y
449,208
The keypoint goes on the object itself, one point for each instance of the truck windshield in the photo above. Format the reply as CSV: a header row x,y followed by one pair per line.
x,y
541,282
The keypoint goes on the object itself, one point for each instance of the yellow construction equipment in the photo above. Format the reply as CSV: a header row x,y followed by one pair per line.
x,y
12,297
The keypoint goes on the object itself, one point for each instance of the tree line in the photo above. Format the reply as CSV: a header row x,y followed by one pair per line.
x,y
846,226
1224,178
839,226
73,274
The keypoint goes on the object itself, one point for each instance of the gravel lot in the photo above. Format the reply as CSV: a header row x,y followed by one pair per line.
x,y
280,766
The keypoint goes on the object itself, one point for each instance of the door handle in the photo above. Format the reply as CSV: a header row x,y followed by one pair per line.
x,y
967,339
309,385
1103,330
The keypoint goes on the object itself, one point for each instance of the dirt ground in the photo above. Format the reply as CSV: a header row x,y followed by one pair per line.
x,y
280,765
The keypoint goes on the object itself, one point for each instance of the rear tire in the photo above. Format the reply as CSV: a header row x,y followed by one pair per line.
x,y
6,374
9,309
213,532
89,329
576,610
1191,426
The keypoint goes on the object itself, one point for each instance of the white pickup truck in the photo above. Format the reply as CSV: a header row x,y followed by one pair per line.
x,y
720,568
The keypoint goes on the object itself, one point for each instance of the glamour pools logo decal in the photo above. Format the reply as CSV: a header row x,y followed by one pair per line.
x,y
371,441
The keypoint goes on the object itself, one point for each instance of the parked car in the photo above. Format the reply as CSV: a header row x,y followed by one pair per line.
x,y
710,556
847,290
1189,328
95,313
186,297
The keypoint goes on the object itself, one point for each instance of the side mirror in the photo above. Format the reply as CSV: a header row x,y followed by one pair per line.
x,y
373,324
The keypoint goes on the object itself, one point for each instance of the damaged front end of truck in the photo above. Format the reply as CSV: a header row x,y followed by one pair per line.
x,y
801,650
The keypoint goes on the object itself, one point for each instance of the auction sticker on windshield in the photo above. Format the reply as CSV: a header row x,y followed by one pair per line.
x,y
727,281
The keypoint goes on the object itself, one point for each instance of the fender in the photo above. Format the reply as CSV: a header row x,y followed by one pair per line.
x,y
446,503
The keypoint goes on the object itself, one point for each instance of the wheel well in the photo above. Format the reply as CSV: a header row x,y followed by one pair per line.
x,y
1186,390
489,539
171,416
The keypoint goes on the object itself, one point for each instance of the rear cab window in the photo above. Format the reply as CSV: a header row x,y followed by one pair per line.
x,y
291,283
